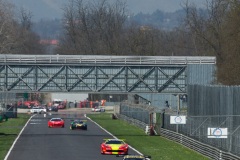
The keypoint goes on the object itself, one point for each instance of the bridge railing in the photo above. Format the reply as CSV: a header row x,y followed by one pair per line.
x,y
92,59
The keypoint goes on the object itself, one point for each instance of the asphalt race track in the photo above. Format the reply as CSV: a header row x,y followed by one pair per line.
x,y
38,142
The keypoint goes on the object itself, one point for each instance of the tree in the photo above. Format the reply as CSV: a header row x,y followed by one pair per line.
x,y
15,37
27,40
93,28
214,33
230,69
7,28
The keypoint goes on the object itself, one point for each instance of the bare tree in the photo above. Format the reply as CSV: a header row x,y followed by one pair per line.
x,y
206,27
7,28
230,69
208,31
93,27
214,33
15,37
28,41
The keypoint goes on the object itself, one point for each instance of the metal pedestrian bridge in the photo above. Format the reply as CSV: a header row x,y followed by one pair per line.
x,y
92,74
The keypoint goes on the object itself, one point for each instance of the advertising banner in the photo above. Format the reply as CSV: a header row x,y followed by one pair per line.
x,y
217,132
177,119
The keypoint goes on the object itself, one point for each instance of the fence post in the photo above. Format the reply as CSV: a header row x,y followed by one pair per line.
x,y
180,138
147,130
220,155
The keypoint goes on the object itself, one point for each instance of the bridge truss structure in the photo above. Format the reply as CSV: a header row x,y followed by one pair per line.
x,y
92,74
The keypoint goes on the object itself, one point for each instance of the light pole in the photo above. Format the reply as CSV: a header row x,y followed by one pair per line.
x,y
110,98
178,104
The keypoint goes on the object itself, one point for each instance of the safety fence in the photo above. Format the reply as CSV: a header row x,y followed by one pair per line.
x,y
193,134
138,112
205,149
199,128
132,121
214,106
6,99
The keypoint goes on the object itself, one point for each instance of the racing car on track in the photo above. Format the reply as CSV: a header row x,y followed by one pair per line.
x,y
134,157
56,122
114,146
78,124
38,110
98,109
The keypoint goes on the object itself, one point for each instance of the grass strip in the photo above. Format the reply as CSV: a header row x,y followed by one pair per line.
x,y
156,146
9,130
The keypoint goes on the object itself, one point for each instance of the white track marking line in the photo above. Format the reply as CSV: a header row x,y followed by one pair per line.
x,y
6,157
113,135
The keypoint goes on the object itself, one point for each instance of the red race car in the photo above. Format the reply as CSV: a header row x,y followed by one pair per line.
x,y
114,146
56,122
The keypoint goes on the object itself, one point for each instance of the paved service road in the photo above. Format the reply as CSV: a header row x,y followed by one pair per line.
x,y
38,142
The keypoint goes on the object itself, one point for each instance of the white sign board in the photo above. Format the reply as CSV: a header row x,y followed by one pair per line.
x,y
217,132
177,119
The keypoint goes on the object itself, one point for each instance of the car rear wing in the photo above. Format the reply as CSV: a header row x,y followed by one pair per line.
x,y
79,120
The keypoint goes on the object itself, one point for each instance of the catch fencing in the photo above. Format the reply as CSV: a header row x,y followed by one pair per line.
x,y
6,99
193,134
215,107
139,112
7,105
197,128
208,107
203,148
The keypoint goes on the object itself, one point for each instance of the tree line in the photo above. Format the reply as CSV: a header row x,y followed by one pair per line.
x,y
104,28
16,36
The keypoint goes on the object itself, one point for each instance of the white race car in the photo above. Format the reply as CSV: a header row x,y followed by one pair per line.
x,y
98,109
38,110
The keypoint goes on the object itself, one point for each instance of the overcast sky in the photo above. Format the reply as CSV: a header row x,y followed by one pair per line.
x,y
53,8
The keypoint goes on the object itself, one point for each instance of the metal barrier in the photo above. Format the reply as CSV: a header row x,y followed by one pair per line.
x,y
138,115
132,121
202,148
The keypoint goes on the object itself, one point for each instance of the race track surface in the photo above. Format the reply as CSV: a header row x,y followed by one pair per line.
x,y
38,142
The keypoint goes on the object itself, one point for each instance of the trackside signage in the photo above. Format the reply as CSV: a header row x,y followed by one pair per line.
x,y
217,132
177,119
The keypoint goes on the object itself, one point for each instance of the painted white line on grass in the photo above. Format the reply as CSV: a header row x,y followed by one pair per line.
x,y
6,157
112,135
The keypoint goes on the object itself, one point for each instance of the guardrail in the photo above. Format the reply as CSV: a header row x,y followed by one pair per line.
x,y
204,149
92,59
132,121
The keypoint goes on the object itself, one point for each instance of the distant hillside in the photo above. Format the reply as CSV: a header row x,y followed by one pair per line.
x,y
51,9
159,19
51,29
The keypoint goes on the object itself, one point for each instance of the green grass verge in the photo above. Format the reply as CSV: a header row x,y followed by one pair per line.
x,y
156,146
9,130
